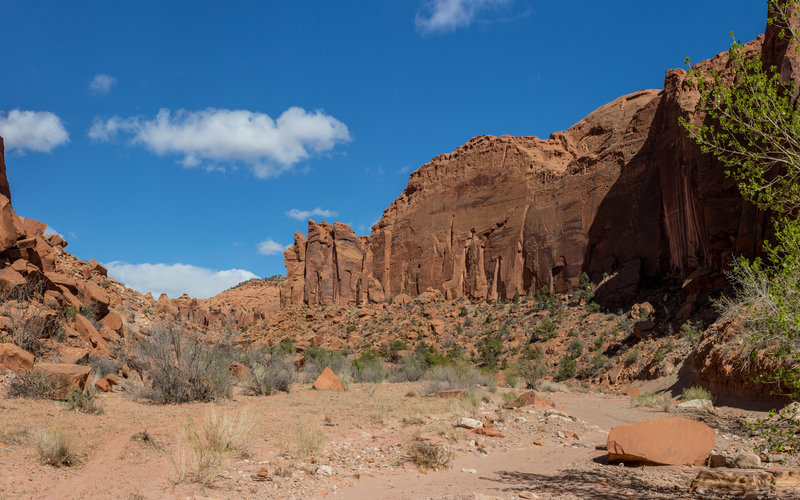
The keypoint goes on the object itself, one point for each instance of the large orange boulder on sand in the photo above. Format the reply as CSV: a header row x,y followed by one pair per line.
x,y
328,381
15,359
665,441
66,376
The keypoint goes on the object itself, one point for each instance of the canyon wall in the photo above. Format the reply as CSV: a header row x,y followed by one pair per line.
x,y
622,195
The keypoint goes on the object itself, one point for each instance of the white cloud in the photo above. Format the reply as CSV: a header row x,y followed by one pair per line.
x,y
271,247
32,130
444,16
101,84
51,230
269,147
176,279
303,215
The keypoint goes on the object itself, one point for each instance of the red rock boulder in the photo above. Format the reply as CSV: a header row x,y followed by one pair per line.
x,y
15,359
328,381
665,441
66,376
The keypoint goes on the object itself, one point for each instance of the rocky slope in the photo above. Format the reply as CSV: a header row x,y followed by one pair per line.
x,y
623,195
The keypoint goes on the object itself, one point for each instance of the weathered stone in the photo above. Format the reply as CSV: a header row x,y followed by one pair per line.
x,y
67,376
467,423
14,358
730,480
328,381
665,441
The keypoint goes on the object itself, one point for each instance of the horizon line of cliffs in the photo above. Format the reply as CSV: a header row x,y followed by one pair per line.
x,y
622,195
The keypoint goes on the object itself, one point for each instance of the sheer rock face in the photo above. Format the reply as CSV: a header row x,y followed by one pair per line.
x,y
623,193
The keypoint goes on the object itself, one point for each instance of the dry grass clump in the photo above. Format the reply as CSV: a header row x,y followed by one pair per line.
x,y
380,406
428,456
304,441
650,400
229,432
696,392
195,459
55,447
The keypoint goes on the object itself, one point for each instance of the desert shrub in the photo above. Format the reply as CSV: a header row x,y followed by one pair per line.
x,y
575,348
695,392
194,458
632,356
457,376
431,356
285,347
462,313
103,366
182,368
545,329
489,349
691,331
34,384
55,447
369,367
268,373
228,432
318,358
650,400
31,320
567,368
84,400
90,312
598,364
593,307
411,369
509,397
428,456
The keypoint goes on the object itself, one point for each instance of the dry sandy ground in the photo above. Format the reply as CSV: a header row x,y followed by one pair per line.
x,y
366,432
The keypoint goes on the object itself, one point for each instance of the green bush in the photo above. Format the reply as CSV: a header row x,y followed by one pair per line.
x,y
567,368
84,401
489,349
691,393
369,367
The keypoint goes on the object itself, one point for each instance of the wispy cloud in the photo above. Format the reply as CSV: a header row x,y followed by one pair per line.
x,y
32,131
445,16
176,279
271,247
298,214
101,84
268,147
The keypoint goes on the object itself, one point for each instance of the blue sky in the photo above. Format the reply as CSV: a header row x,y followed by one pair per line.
x,y
185,142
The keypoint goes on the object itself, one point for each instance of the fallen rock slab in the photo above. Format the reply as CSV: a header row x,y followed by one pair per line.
x,y
328,381
665,441
65,375
14,358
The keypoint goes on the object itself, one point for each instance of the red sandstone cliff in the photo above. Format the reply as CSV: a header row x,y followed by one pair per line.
x,y
623,193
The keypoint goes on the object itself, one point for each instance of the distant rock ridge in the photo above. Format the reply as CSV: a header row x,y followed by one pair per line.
x,y
623,194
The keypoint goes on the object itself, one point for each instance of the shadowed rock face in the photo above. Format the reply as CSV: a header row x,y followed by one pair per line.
x,y
623,193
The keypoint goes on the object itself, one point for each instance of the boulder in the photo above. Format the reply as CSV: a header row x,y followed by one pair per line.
x,y
467,423
92,293
14,358
113,321
67,376
529,398
10,278
328,381
729,480
665,441
98,267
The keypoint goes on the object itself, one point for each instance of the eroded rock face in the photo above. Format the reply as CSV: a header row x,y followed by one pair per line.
x,y
623,194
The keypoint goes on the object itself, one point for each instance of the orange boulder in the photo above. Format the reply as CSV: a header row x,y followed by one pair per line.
x,y
665,441
66,376
328,381
15,359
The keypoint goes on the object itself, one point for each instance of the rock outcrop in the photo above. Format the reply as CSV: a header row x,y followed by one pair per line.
x,y
623,194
